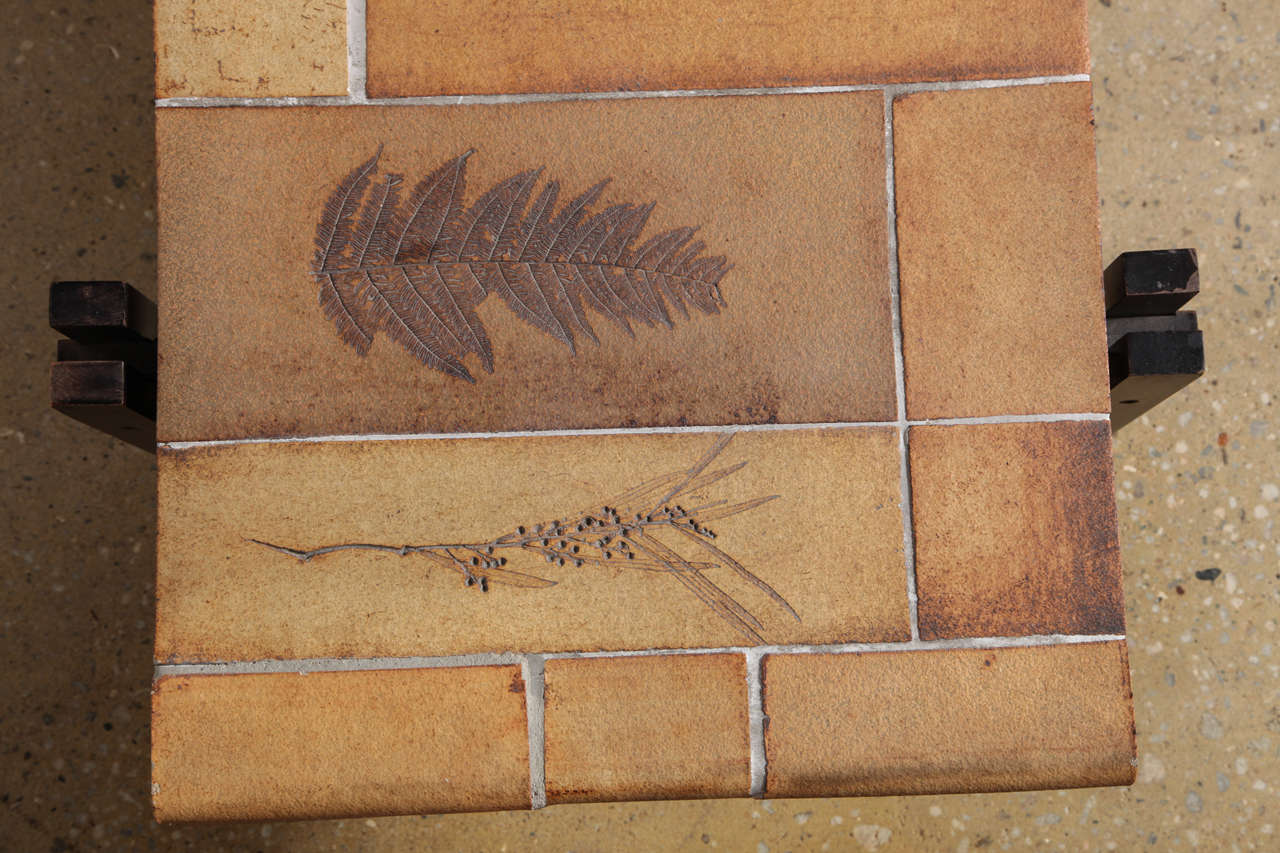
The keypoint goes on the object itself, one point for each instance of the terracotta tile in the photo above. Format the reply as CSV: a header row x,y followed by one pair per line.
x,y
799,211
270,48
647,728
335,744
959,720
699,44
1015,530
830,545
1001,276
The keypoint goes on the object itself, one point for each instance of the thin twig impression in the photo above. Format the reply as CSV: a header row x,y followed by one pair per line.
x,y
418,269
646,528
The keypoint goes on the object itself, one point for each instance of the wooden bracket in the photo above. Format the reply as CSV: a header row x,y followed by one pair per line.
x,y
1154,350
105,374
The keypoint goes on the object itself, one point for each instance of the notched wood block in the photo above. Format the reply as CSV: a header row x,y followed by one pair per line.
x,y
339,744
269,48
1154,282
997,203
562,46
1015,530
111,396
1150,365
549,543
949,721
568,303
101,312
660,727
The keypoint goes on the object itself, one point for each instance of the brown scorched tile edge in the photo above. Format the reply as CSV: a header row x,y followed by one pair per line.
x,y
1015,530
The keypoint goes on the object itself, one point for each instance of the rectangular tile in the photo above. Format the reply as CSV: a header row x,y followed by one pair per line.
x,y
265,49
1001,276
664,727
828,547
251,345
953,721
1015,530
337,744
561,46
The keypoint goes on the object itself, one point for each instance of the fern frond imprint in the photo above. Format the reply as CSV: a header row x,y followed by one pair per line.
x,y
647,528
416,268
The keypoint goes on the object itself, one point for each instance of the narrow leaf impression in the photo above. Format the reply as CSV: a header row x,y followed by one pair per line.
x,y
416,266
647,528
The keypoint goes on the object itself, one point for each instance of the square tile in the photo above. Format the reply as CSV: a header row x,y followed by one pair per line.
x,y
659,727
1015,530
951,721
562,46
801,333
337,744
1000,271
820,563
265,49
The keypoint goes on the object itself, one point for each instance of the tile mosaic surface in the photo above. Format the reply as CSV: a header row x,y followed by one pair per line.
x,y
497,382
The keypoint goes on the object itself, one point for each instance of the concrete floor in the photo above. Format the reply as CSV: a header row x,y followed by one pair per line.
x,y
1188,123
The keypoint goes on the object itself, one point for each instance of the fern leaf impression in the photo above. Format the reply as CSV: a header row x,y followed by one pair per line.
x,y
415,265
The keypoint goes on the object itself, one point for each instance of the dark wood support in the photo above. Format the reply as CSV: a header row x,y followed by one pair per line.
x,y
101,312
1151,283
1154,350
105,375
1150,367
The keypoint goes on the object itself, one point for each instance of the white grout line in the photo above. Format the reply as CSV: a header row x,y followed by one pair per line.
x,y
533,670
1048,417
357,67
955,85
357,81
302,666
895,300
755,724
1012,419
899,370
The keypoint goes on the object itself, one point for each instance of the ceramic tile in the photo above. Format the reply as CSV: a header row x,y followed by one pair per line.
x,y
958,720
1015,530
797,209
333,744
569,47
1001,277
258,50
647,728
829,546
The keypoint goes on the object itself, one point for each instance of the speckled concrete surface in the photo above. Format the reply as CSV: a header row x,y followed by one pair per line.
x,y
1188,123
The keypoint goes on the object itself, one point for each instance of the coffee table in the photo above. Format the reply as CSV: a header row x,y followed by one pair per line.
x,y
561,403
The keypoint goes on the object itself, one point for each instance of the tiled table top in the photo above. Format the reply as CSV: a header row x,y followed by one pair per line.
x,y
777,465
